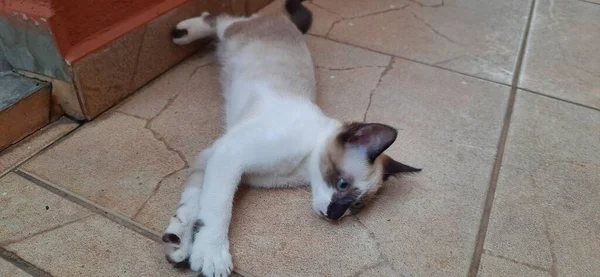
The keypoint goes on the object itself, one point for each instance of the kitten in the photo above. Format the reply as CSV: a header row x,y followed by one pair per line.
x,y
276,136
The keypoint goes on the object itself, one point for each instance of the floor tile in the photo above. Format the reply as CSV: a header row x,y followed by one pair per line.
x,y
498,267
28,209
9,270
449,125
345,94
336,56
359,8
194,119
148,101
113,161
34,143
104,78
159,209
545,210
562,54
95,246
346,77
298,242
322,19
479,38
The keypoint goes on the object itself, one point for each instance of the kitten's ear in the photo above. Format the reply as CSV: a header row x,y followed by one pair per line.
x,y
392,167
370,138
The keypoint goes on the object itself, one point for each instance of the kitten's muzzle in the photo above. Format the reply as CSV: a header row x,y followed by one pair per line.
x,y
336,210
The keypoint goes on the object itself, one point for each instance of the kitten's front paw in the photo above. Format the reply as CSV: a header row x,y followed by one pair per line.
x,y
191,29
211,256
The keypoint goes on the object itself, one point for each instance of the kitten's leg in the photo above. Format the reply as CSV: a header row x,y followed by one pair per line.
x,y
179,234
203,26
224,169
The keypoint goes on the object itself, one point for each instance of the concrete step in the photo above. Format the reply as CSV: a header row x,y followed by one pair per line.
x,y
24,107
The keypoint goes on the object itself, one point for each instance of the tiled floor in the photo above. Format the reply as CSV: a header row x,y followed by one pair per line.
x,y
498,101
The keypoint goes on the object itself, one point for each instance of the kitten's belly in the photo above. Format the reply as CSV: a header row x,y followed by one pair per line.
x,y
285,174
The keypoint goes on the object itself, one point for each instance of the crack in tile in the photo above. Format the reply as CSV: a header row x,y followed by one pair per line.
x,y
192,74
528,265
156,189
7,242
553,270
434,30
92,206
323,8
589,2
21,263
368,267
137,58
382,260
421,5
360,16
348,68
383,74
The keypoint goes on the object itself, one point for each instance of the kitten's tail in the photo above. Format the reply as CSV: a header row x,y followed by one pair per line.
x,y
299,14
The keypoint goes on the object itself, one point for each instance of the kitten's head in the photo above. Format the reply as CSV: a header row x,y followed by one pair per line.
x,y
352,168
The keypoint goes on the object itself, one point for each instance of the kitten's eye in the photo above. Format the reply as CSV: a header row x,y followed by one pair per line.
x,y
342,185
357,205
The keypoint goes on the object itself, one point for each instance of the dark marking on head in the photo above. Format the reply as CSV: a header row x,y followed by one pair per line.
x,y
392,167
372,138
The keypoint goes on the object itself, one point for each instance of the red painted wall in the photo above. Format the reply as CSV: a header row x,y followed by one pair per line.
x,y
81,26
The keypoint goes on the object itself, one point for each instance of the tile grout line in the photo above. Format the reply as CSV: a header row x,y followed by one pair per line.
x,y
559,99
456,72
489,200
43,149
411,60
95,208
100,210
8,242
24,265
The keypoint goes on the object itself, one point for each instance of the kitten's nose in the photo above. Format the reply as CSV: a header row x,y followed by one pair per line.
x,y
336,210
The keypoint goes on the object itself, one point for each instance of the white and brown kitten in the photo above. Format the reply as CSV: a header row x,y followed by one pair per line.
x,y
276,136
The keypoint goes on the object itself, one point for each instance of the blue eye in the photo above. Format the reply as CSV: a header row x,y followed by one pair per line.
x,y
342,185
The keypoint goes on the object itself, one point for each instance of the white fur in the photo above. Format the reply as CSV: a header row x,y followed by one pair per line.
x,y
274,137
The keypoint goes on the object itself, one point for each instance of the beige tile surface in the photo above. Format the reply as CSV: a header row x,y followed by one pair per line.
x,y
148,101
95,246
449,125
159,209
546,208
322,19
104,78
158,52
500,267
359,8
562,55
28,209
114,161
346,77
479,38
193,120
34,143
276,233
9,270
331,55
